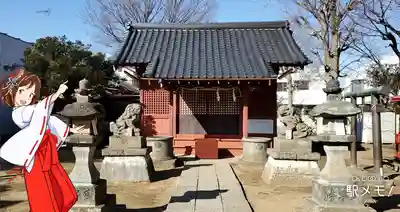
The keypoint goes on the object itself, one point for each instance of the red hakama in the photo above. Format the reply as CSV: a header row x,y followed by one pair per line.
x,y
48,186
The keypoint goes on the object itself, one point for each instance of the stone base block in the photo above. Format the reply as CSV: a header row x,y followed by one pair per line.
x,y
290,145
338,194
127,152
108,205
91,194
290,172
127,168
123,141
293,155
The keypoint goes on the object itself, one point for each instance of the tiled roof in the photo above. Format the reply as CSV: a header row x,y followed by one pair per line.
x,y
214,51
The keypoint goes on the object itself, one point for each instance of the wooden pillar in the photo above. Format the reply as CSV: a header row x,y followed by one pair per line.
x,y
245,112
142,116
376,135
174,112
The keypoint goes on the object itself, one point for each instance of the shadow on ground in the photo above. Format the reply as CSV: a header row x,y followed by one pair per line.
x,y
175,172
163,174
7,203
190,195
155,209
389,163
382,204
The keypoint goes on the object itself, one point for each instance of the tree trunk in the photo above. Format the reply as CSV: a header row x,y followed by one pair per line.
x,y
289,130
331,31
290,92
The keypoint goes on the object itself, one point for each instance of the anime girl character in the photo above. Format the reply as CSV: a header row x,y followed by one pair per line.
x,y
35,146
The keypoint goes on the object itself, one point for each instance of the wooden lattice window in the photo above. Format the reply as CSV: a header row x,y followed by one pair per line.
x,y
192,102
209,102
156,102
223,102
204,111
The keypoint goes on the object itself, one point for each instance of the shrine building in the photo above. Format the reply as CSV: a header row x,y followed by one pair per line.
x,y
215,81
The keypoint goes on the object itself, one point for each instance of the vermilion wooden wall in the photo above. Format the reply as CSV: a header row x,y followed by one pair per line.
x,y
157,112
258,102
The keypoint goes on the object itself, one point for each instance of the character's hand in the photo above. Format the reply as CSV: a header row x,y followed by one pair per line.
x,y
63,87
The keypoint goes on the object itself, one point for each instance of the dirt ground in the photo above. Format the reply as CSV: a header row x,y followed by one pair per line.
x,y
288,198
136,196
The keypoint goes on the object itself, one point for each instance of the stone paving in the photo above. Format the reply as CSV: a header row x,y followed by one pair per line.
x,y
203,186
208,186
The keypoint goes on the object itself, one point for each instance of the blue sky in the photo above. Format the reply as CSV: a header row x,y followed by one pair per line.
x,y
19,18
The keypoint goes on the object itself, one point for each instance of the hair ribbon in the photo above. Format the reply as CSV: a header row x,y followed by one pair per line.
x,y
12,81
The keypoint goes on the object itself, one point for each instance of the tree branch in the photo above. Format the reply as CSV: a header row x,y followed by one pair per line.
x,y
109,18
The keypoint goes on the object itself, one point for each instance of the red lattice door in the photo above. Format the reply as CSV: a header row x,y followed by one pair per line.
x,y
156,112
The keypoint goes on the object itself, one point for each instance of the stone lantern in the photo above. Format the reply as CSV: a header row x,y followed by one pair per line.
x,y
335,189
85,119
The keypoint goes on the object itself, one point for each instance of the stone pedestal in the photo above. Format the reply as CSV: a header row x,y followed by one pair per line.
x,y
254,153
162,147
291,162
127,168
335,169
91,190
127,159
334,189
84,169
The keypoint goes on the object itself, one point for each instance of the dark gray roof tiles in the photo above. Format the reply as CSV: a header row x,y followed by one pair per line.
x,y
211,51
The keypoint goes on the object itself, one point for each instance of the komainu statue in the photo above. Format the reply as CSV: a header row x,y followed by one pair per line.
x,y
128,123
292,121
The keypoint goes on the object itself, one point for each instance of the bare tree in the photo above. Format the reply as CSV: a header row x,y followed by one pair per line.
x,y
385,74
110,18
378,21
329,23
378,31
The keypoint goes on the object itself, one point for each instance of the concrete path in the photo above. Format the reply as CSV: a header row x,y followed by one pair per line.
x,y
208,186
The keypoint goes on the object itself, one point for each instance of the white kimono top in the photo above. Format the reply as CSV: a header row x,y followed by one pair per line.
x,y
33,120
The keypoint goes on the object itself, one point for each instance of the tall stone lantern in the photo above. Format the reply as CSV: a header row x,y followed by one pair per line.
x,y
335,189
85,119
